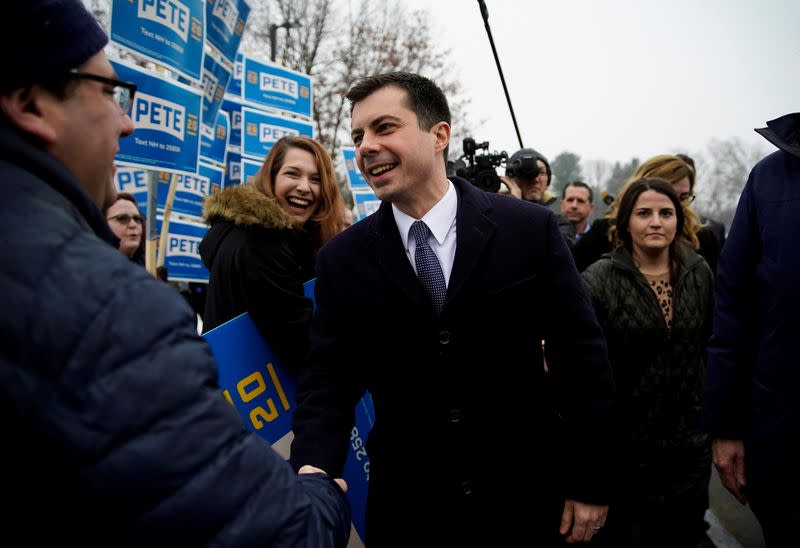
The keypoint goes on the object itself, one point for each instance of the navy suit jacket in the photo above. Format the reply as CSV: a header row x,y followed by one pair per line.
x,y
466,419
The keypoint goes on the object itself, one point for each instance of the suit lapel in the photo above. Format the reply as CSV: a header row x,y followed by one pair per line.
x,y
473,231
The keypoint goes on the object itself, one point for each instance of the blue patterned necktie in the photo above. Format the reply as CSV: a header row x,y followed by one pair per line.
x,y
429,271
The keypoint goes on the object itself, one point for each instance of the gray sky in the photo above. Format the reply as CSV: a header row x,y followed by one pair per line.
x,y
615,79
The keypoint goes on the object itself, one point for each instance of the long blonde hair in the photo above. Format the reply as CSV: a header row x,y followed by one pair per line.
x,y
672,169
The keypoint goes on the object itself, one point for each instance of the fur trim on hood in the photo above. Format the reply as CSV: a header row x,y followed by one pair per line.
x,y
245,205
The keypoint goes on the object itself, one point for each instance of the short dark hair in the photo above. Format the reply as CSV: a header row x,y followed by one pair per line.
x,y
580,184
425,99
628,200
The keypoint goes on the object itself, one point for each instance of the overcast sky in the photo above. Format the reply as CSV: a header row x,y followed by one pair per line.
x,y
614,79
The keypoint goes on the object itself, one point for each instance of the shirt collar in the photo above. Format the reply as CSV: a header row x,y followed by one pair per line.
x,y
439,219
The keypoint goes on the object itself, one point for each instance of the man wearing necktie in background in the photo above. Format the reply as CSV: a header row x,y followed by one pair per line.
x,y
456,290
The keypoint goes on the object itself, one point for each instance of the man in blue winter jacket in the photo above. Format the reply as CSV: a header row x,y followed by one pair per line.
x,y
752,402
115,430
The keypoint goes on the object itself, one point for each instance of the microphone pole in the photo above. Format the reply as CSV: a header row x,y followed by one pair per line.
x,y
485,15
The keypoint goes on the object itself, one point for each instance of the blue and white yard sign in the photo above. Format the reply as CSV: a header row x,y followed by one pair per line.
x,y
233,174
214,173
235,83
182,251
168,32
214,146
263,393
249,170
216,74
191,189
226,20
233,106
354,176
167,119
277,88
133,180
262,130
366,203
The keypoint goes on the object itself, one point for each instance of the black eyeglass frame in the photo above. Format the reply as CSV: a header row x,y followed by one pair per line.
x,y
113,82
141,219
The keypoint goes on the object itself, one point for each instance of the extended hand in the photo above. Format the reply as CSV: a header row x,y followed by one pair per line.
x,y
728,457
308,469
584,519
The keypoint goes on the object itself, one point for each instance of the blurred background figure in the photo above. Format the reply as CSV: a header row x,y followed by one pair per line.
x,y
577,204
348,218
653,297
128,224
681,176
262,241
528,176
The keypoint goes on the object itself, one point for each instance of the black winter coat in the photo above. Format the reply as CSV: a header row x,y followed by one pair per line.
x,y
658,372
258,262
115,431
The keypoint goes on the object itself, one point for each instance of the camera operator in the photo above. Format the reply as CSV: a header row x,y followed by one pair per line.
x,y
528,176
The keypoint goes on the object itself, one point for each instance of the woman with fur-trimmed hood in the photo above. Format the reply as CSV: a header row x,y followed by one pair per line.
x,y
262,240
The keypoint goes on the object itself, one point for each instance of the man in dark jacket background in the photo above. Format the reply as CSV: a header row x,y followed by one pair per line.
x,y
115,430
751,406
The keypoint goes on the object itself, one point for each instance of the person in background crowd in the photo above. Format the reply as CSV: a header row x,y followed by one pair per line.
x,y
577,204
347,217
528,176
128,224
438,271
261,245
680,175
653,298
117,431
715,227
751,405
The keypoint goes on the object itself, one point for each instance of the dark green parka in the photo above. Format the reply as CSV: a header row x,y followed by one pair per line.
x,y
658,372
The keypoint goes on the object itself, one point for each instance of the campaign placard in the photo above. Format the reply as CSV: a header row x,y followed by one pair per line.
x,y
235,83
249,170
170,33
216,74
233,173
166,114
182,250
191,190
366,203
354,177
261,130
133,180
214,143
233,106
214,173
277,88
225,21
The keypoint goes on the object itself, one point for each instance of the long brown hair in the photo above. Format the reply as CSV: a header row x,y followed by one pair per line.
x,y
328,215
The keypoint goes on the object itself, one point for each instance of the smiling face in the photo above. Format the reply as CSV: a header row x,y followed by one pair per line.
x,y
129,233
402,162
653,223
297,184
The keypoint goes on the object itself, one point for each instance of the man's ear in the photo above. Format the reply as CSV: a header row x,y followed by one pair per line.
x,y
441,132
31,110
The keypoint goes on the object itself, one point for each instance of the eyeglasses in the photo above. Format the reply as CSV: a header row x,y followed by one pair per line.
x,y
686,198
123,92
124,219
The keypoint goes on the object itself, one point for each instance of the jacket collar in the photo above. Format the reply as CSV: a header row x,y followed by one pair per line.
x,y
246,205
784,133
687,258
21,150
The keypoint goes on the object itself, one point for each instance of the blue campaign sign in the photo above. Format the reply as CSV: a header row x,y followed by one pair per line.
x,y
264,395
233,107
233,173
167,32
214,173
167,119
235,83
261,130
366,203
191,189
354,176
182,255
226,20
133,180
249,170
216,74
214,143
277,88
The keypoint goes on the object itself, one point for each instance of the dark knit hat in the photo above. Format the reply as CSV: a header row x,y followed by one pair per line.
x,y
46,38
515,166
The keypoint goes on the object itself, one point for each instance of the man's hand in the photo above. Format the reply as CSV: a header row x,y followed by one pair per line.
x,y
513,187
308,469
728,457
584,519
